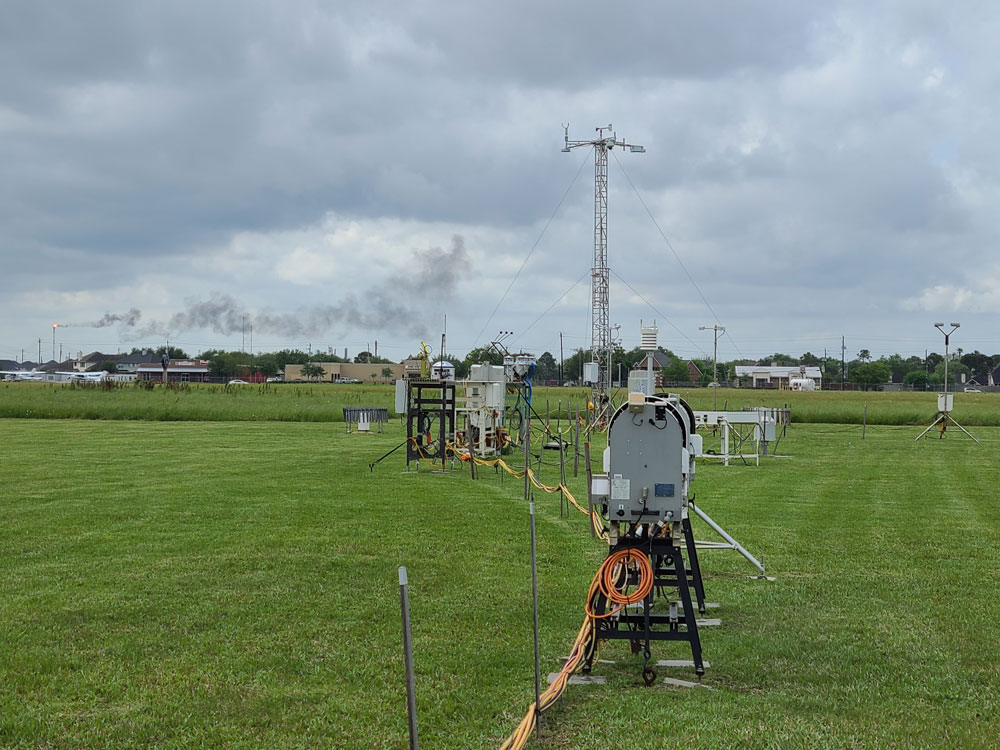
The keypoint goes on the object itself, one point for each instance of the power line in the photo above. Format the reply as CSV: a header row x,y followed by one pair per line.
x,y
676,256
558,300
653,308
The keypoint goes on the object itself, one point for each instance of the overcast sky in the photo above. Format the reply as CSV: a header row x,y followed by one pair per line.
x,y
333,173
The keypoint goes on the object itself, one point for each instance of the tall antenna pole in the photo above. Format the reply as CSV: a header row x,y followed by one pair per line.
x,y
600,304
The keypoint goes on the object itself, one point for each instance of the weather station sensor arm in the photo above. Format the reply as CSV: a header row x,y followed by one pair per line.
x,y
602,140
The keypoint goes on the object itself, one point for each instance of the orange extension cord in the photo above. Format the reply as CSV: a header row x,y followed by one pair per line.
x,y
604,582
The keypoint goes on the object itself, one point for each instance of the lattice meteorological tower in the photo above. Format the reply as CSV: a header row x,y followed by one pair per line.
x,y
600,337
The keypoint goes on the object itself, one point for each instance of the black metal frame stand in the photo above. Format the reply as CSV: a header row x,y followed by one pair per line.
x,y
643,626
694,567
430,401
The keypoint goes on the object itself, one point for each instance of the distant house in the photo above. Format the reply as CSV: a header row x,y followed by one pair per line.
x,y
776,376
179,370
53,366
988,378
661,360
130,362
91,361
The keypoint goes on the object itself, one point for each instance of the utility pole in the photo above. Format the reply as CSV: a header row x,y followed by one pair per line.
x,y
39,351
600,273
843,363
560,358
715,329
54,327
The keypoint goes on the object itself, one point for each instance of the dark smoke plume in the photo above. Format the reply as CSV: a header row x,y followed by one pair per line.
x,y
403,304
129,319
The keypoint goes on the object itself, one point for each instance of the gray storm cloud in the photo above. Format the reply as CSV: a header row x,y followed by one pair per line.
x,y
404,303
829,155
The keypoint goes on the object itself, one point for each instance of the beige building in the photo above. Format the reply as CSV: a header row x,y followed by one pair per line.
x,y
334,372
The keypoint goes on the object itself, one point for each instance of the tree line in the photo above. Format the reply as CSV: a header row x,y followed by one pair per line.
x,y
864,369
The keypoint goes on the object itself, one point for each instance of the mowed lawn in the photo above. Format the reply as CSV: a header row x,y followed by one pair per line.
x,y
180,584
325,402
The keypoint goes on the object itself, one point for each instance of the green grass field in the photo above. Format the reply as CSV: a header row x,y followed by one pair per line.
x,y
180,584
319,402
189,402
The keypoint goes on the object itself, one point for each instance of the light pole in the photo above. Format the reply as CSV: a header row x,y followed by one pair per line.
x,y
947,336
716,329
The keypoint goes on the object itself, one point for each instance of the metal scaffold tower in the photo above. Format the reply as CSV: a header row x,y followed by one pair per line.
x,y
600,304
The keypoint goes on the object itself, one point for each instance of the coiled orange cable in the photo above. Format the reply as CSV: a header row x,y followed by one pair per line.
x,y
617,563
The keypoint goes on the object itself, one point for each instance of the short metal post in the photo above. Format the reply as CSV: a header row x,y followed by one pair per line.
x,y
527,453
864,422
576,443
590,495
534,609
562,475
411,698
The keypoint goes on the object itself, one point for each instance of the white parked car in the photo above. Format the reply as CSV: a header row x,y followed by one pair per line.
x,y
972,390
238,382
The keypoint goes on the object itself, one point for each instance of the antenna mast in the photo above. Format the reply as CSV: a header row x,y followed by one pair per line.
x,y
600,306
